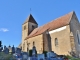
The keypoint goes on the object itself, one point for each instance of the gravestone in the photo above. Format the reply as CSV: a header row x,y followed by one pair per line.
x,y
25,55
34,52
0,43
18,50
34,58
6,51
0,49
41,56
53,59
4,47
13,49
59,58
10,49
51,54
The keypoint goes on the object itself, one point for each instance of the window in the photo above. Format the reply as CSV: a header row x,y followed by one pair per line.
x,y
28,46
27,49
33,43
33,27
56,42
24,46
24,27
78,37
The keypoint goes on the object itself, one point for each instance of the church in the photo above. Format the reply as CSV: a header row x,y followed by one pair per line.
x,y
61,35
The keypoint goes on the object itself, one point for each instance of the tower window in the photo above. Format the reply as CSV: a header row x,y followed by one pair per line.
x,y
24,27
56,42
33,27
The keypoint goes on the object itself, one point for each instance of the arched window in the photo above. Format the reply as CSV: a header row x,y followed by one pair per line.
x,y
78,38
56,42
23,46
33,43
24,27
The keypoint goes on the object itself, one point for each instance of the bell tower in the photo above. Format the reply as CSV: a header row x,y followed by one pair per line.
x,y
29,25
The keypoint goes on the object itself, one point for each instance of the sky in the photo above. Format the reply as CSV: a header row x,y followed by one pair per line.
x,y
13,13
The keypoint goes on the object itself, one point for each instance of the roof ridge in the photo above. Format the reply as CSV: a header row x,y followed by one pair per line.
x,y
71,15
63,16
58,18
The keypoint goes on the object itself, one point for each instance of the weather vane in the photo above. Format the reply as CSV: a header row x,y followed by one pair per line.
x,y
30,10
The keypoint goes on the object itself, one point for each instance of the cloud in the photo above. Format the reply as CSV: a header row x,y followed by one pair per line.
x,y
4,29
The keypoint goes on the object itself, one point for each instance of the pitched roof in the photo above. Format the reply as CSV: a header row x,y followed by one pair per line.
x,y
30,19
57,23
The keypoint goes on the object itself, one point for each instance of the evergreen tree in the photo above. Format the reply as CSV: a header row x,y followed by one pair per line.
x,y
0,43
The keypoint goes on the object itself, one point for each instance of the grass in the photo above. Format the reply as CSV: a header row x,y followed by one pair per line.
x,y
5,56
72,58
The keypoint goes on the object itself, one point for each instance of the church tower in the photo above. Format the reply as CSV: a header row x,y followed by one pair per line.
x,y
29,25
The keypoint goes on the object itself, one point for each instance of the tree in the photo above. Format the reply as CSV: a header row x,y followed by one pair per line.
x,y
0,43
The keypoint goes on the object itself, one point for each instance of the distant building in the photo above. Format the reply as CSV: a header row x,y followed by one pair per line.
x,y
61,35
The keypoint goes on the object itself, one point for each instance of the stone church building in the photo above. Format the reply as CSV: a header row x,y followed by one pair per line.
x,y
61,35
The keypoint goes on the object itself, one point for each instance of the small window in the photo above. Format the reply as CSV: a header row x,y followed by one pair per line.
x,y
24,27
24,46
33,27
33,43
78,37
56,42
27,49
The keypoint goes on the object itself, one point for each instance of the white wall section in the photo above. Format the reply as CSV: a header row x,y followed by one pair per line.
x,y
57,30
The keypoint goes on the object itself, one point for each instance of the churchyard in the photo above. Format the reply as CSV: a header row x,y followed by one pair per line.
x,y
10,53
14,53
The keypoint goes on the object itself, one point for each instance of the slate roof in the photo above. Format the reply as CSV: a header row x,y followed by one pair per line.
x,y
30,19
54,24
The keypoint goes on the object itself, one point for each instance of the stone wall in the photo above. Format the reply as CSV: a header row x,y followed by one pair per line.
x,y
38,43
24,35
63,36
74,27
31,27
46,41
27,28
